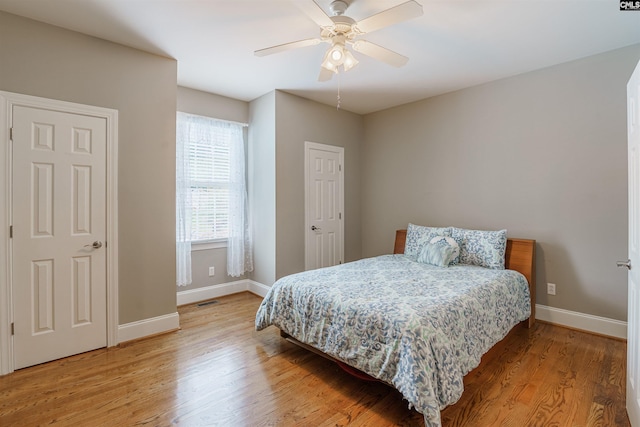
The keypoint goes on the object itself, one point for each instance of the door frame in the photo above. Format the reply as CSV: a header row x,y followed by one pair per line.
x,y
7,101
308,145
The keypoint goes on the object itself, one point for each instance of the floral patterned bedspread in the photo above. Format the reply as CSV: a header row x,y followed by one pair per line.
x,y
417,327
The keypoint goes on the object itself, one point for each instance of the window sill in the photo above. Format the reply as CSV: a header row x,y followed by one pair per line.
x,y
211,244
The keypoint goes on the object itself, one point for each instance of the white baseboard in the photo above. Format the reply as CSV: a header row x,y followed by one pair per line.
x,y
146,327
214,291
171,322
585,322
258,288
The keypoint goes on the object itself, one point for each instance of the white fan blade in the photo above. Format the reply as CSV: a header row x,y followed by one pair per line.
x,y
402,12
380,53
282,47
313,11
325,74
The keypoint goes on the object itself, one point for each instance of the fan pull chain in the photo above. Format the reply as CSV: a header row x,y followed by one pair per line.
x,y
338,106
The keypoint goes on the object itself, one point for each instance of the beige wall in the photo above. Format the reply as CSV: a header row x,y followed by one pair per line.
x,y
299,120
210,105
262,186
542,154
280,123
46,61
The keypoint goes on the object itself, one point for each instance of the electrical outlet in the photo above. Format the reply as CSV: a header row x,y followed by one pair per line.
x,y
551,288
212,271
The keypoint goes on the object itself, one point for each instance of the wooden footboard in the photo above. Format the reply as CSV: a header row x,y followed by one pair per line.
x,y
520,256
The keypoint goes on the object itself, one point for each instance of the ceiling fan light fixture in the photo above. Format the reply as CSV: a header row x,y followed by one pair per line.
x,y
338,55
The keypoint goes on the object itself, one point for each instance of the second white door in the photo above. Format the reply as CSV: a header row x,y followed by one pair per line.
x,y
324,197
59,227
633,314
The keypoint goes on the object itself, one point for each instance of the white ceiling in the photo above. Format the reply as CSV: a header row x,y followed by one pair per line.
x,y
455,44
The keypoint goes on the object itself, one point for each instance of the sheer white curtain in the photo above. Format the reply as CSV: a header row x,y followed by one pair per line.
x,y
239,244
183,202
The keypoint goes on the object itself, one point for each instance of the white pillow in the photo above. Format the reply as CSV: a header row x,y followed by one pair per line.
x,y
448,241
435,254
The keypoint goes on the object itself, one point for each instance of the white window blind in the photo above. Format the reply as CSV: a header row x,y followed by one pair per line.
x,y
209,184
208,174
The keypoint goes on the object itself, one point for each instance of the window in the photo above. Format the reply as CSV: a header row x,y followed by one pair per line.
x,y
207,176
211,192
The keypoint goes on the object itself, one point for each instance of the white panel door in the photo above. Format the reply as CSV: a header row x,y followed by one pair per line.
x,y
633,316
324,201
59,225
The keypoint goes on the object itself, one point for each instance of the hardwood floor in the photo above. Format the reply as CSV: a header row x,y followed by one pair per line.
x,y
217,371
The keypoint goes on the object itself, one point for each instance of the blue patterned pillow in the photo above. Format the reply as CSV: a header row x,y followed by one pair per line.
x,y
418,236
482,248
436,254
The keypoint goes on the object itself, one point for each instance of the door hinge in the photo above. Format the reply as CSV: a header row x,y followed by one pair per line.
x,y
13,330
340,168
339,215
11,231
10,134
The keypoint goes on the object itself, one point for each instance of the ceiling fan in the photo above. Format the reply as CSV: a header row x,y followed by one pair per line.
x,y
341,31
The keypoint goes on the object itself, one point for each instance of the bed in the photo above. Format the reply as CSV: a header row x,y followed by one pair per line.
x,y
415,326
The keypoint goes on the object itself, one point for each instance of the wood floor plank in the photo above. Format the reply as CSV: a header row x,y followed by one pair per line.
x,y
218,371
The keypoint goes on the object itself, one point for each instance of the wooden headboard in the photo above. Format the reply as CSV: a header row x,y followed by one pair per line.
x,y
520,256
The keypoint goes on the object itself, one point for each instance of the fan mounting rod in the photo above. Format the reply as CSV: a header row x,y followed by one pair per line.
x,y
338,7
